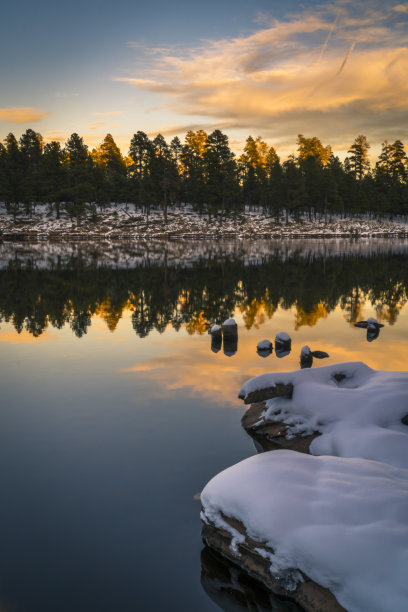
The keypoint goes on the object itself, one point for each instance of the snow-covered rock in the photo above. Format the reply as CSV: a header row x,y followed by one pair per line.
x,y
338,518
339,522
282,338
356,410
264,345
229,323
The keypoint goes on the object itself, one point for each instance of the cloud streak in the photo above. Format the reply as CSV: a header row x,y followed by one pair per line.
x,y
21,115
285,78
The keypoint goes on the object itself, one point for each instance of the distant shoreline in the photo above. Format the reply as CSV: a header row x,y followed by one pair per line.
x,y
119,223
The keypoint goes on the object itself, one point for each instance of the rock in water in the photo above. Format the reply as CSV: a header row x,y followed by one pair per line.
x,y
283,340
230,337
306,357
264,348
229,328
264,345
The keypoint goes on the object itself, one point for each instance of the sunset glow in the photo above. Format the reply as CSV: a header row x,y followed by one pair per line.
x,y
330,70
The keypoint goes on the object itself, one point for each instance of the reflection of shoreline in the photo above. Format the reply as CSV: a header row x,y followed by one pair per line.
x,y
193,294
135,253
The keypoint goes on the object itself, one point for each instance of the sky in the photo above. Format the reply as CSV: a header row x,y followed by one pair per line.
x,y
274,68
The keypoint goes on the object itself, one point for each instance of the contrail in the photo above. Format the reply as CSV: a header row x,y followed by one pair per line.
x,y
326,42
353,44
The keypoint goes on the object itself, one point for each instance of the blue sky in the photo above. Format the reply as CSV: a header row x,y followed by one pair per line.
x,y
270,68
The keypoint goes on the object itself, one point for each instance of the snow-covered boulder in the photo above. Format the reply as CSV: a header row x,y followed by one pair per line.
x,y
356,410
291,518
336,519
307,355
215,330
229,323
282,338
264,348
230,329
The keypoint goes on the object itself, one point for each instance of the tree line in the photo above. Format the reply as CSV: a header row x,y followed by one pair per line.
x,y
202,171
207,291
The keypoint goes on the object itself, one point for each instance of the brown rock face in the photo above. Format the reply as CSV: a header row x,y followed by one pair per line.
x,y
234,590
278,390
271,435
308,595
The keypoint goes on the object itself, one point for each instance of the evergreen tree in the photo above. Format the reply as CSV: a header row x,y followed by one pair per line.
x,y
31,145
80,186
358,160
192,167
52,175
14,175
110,159
140,152
220,172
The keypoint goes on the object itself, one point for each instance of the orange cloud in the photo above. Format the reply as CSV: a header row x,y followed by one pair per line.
x,y
21,115
338,72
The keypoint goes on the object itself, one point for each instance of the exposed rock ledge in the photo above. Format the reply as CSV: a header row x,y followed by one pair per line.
x,y
308,595
271,435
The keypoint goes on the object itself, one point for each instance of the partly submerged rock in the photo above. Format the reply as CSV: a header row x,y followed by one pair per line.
x,y
264,348
272,435
357,410
264,345
216,342
216,330
304,524
232,589
371,322
306,356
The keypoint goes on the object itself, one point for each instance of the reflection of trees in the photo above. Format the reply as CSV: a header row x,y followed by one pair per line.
x,y
310,318
206,291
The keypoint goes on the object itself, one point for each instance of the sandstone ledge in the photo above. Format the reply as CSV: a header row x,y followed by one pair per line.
x,y
308,595
271,435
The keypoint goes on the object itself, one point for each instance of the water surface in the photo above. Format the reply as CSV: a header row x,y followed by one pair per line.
x,y
115,412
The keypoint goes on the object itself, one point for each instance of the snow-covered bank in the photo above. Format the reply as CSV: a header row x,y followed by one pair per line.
x,y
338,518
121,222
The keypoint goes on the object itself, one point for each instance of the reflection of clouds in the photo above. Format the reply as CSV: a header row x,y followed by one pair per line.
x,y
24,337
200,372
302,71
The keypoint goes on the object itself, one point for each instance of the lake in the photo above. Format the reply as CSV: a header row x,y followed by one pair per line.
x,y
116,408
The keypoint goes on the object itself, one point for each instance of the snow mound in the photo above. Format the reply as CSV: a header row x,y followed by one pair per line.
x,y
342,522
356,410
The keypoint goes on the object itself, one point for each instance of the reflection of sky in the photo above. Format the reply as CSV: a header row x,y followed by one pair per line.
x,y
105,440
176,362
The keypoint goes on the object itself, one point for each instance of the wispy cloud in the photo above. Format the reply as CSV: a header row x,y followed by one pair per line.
x,y
22,115
334,70
400,8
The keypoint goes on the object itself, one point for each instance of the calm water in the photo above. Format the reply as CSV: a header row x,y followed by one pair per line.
x,y
115,412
